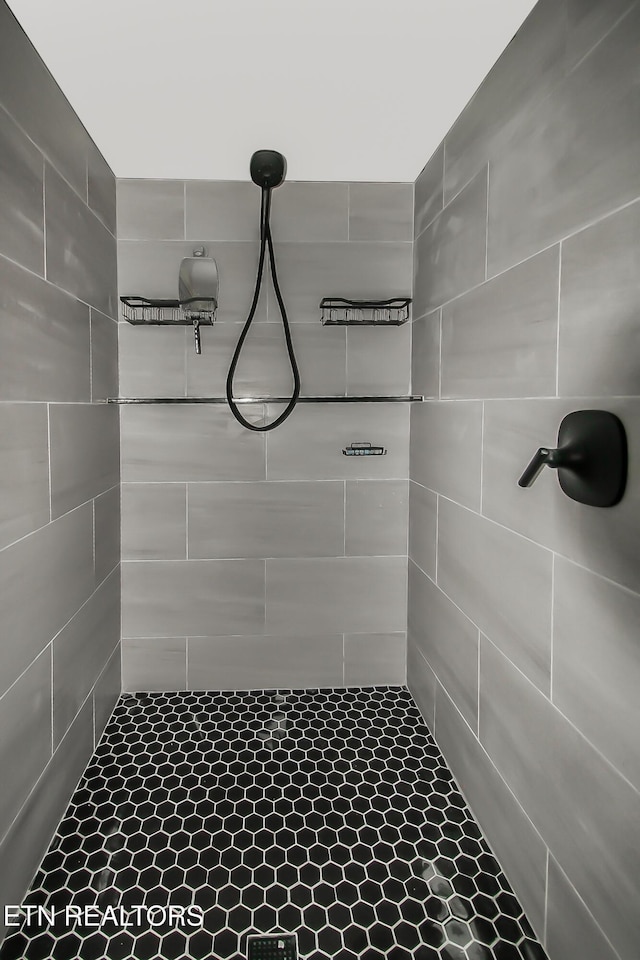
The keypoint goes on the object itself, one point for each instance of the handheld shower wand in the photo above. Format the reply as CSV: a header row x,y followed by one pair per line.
x,y
267,169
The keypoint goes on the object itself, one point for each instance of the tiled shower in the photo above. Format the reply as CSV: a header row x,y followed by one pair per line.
x,y
240,671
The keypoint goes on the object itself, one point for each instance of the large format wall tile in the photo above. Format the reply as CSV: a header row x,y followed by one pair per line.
x,y
450,253
21,204
24,470
525,73
154,521
44,340
150,209
573,157
36,102
201,597
25,737
571,930
106,532
423,527
596,662
108,688
222,210
500,815
241,663
152,360
425,355
447,640
81,651
446,449
422,683
344,594
375,658
428,197
84,442
104,356
101,188
502,582
166,443
599,308
500,340
587,814
308,446
261,519
159,663
80,250
376,516
44,579
378,360
605,541
380,211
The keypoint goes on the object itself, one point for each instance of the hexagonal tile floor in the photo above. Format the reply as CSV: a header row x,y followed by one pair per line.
x,y
328,813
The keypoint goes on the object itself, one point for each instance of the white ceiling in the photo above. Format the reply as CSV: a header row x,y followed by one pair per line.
x,y
346,89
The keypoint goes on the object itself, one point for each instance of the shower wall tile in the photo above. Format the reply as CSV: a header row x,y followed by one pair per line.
x,y
423,528
180,443
500,340
101,188
261,519
81,651
150,268
84,441
447,640
588,22
358,269
36,102
526,72
39,817
44,579
308,446
104,356
374,658
425,355
150,210
376,517
24,470
378,360
106,532
503,584
380,211
159,663
80,251
596,662
44,340
21,203
598,308
348,594
25,736
154,521
570,926
309,212
605,541
573,157
222,210
107,689
450,253
152,360
500,815
446,449
232,663
205,596
428,191
422,683
554,772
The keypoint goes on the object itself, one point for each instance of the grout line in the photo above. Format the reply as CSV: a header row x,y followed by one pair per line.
x,y
486,231
44,218
186,663
546,901
478,703
482,460
50,645
186,520
437,536
344,518
50,483
552,624
604,36
440,355
558,318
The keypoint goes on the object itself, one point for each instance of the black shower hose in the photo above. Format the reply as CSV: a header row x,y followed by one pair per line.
x,y
265,241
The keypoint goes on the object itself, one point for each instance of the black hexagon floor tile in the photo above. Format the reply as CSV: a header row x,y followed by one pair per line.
x,y
204,817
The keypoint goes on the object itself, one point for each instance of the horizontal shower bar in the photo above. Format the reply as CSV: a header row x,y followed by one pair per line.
x,y
414,398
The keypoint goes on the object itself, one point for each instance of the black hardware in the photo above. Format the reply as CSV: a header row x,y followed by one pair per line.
x,y
591,458
173,313
362,313
413,398
363,450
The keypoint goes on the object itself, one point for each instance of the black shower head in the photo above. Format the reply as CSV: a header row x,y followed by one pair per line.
x,y
268,168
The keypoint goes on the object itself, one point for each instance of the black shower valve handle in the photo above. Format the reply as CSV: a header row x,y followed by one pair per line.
x,y
544,457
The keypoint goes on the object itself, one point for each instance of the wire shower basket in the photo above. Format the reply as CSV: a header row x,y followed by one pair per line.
x,y
140,310
340,311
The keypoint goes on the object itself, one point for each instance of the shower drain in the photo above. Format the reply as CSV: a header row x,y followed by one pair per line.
x,y
278,946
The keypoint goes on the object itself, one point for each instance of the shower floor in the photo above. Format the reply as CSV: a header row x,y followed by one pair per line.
x,y
328,813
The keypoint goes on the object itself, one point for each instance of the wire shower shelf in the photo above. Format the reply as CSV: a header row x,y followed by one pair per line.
x,y
343,312
140,310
